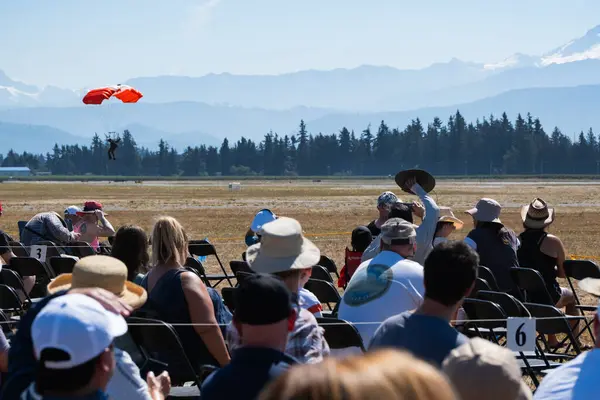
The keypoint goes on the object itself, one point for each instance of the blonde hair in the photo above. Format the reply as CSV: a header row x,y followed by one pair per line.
x,y
169,242
384,374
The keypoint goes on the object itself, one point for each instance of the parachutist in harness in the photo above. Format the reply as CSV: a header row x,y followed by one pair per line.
x,y
114,143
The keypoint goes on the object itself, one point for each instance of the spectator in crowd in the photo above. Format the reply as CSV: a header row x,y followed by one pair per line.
x,y
130,245
480,369
387,374
101,278
73,341
578,378
446,225
47,226
361,239
264,315
546,254
450,272
284,252
398,210
307,299
179,296
262,217
429,214
496,244
93,224
386,285
71,217
384,202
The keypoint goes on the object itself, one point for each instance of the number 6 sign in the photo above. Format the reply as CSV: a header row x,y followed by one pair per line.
x,y
521,334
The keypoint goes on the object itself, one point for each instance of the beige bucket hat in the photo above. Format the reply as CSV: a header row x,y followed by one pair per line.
x,y
282,247
537,215
446,215
102,272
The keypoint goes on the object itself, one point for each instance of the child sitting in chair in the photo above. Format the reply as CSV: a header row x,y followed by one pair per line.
x,y
361,238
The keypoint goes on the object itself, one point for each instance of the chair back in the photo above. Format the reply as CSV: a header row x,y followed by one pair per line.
x,y
509,304
227,293
12,279
10,302
340,334
581,269
325,292
62,265
201,248
531,281
29,266
51,249
82,249
18,249
240,266
319,272
160,343
478,309
328,264
480,284
488,275
550,320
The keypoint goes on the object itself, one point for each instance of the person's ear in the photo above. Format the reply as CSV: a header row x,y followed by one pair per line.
x,y
107,361
292,320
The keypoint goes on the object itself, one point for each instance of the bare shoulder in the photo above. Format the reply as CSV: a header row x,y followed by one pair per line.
x,y
552,239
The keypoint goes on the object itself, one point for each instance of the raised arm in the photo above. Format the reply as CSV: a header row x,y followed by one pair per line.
x,y
432,213
105,229
202,313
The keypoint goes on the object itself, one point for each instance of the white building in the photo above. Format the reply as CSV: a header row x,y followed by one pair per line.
x,y
15,171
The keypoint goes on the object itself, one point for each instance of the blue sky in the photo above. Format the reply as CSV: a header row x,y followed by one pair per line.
x,y
75,43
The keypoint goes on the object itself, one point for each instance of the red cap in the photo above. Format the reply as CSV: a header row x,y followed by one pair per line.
x,y
90,207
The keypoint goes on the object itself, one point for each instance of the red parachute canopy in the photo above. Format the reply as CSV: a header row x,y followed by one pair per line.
x,y
125,93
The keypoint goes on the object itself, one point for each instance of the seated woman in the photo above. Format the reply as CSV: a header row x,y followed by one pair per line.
x,y
130,245
496,244
93,224
179,296
546,254
446,225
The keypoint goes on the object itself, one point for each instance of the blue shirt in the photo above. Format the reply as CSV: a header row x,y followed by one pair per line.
x,y
30,394
250,370
426,337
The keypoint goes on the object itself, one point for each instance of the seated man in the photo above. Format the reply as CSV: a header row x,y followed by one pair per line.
x,y
71,216
449,276
93,224
47,226
386,285
73,341
384,202
264,315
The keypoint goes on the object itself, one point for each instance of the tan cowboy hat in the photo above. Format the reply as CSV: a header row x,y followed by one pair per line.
x,y
102,272
282,248
537,215
446,215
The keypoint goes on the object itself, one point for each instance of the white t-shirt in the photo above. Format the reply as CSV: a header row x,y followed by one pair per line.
x,y
575,380
309,301
381,287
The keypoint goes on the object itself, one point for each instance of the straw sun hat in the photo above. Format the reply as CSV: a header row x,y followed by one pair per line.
x,y
282,248
102,272
446,215
537,215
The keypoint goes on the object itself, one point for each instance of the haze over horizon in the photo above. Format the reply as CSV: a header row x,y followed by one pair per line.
x,y
88,44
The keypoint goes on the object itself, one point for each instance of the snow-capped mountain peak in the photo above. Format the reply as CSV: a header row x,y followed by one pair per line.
x,y
586,47
517,60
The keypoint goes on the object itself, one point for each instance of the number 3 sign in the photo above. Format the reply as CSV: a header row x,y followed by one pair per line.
x,y
521,334
38,252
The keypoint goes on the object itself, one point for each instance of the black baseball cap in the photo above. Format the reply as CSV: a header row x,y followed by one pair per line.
x,y
262,299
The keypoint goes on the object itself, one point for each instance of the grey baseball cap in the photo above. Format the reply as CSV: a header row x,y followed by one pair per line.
x,y
486,210
398,231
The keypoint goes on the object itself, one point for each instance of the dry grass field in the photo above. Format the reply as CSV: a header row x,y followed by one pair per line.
x,y
327,210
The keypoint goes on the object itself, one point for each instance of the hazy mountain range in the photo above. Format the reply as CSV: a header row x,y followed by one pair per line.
x,y
561,87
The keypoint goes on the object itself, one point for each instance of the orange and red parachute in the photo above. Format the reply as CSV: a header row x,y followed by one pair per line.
x,y
125,93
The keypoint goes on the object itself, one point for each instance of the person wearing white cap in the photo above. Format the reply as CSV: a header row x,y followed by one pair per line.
x,y
496,244
262,217
578,378
73,342
71,215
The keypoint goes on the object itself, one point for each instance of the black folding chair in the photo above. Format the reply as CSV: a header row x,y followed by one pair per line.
x,y
10,303
81,249
240,266
52,250
509,304
18,249
202,248
531,281
329,265
550,320
227,293
494,326
325,292
319,272
29,266
578,270
62,265
480,284
340,334
12,279
488,275
160,345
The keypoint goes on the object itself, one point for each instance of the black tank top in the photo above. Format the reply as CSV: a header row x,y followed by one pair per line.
x,y
531,256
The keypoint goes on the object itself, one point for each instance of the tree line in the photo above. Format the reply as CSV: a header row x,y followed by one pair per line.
x,y
490,146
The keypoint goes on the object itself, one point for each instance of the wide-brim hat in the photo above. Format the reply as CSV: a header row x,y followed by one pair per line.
x,y
424,179
446,215
486,210
537,215
102,272
282,247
